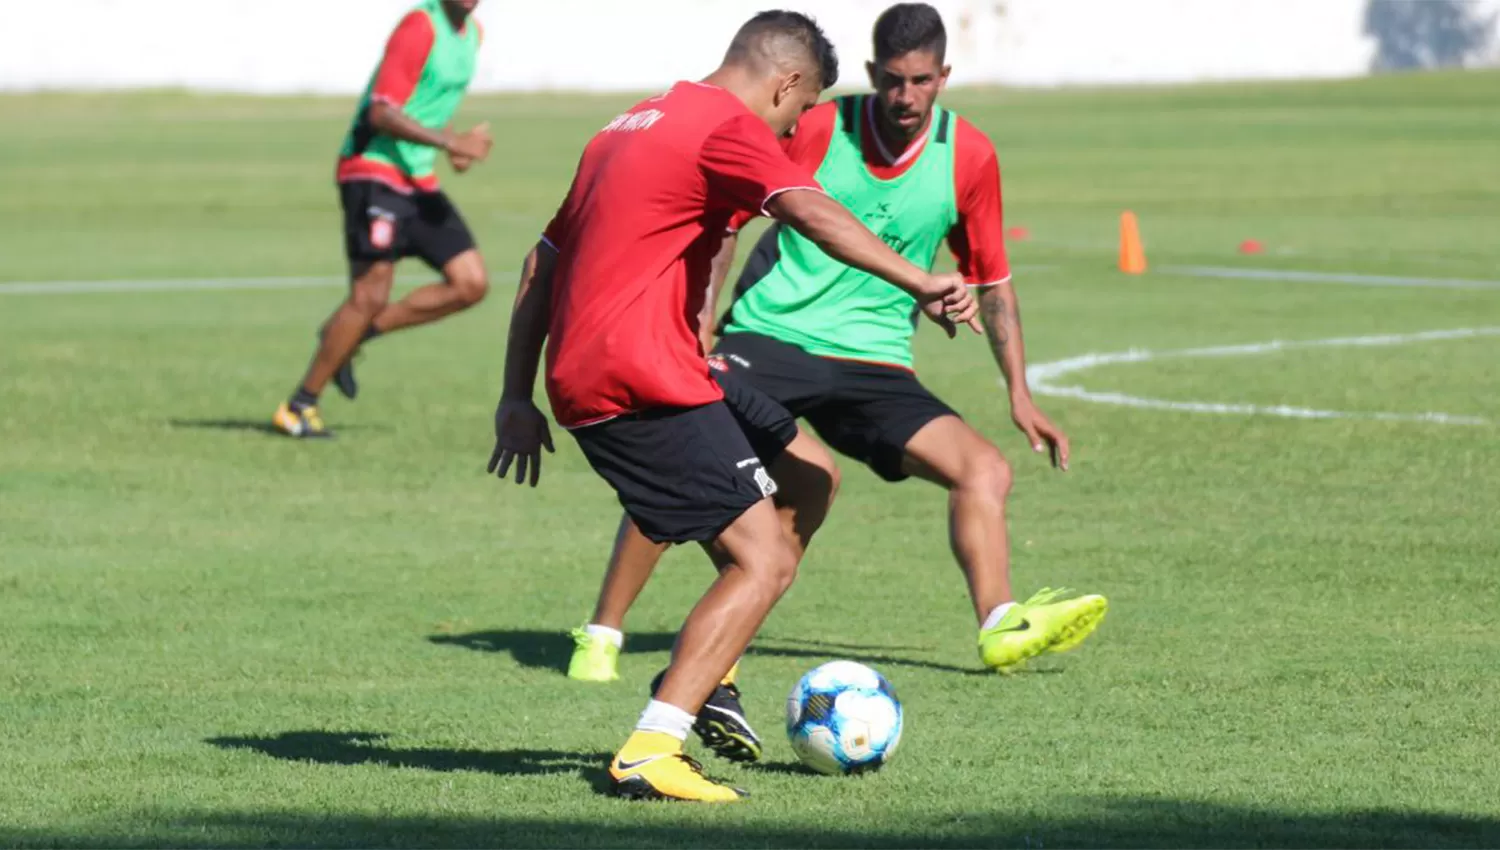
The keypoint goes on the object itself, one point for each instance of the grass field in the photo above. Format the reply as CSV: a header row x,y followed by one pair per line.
x,y
213,637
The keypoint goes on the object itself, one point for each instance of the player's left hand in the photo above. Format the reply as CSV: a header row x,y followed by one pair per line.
x,y
955,307
521,432
1039,430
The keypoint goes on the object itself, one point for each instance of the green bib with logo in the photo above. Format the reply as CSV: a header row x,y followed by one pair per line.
x,y
794,292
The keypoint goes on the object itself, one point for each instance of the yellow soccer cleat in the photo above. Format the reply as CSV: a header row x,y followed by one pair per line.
x,y
303,424
595,658
1050,621
652,766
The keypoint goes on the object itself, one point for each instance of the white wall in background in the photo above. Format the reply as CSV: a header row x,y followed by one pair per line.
x,y
331,45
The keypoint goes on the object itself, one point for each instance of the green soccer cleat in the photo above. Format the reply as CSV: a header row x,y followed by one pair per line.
x,y
595,659
1050,621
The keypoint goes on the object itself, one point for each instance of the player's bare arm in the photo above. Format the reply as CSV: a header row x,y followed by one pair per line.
x,y
1002,324
521,430
717,274
469,147
944,297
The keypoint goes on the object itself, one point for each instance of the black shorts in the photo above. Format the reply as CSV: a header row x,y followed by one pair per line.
x,y
864,411
383,225
687,474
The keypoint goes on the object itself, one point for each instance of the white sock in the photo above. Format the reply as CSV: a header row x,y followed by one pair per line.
x,y
614,636
664,717
996,616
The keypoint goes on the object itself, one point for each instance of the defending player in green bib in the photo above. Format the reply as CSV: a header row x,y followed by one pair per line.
x,y
393,208
834,345
794,292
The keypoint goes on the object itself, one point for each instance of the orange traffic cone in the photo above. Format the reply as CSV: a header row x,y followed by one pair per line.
x,y
1132,252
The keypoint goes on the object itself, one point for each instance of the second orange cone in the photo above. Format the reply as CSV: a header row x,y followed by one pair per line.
x,y
1132,252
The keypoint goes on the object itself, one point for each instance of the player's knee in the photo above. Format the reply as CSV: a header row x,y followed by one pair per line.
x,y
988,474
370,299
775,565
467,276
471,287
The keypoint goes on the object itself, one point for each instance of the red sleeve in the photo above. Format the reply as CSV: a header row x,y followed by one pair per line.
x,y
405,57
746,167
807,147
978,238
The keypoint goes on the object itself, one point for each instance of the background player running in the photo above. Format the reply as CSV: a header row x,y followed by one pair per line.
x,y
616,288
388,188
833,344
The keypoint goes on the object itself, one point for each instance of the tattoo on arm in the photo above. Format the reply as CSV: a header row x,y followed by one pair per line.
x,y
996,316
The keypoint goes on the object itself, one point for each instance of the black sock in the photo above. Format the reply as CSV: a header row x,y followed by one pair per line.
x,y
370,333
302,398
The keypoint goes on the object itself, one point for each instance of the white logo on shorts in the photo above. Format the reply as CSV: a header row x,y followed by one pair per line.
x,y
763,479
749,461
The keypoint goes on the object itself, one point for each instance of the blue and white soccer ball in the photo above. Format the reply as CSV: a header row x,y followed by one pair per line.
x,y
843,718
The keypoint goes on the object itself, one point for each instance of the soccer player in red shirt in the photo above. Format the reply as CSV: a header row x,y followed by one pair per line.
x,y
393,208
835,346
616,288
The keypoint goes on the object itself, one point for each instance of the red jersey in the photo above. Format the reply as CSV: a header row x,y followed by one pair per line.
x,y
635,238
978,238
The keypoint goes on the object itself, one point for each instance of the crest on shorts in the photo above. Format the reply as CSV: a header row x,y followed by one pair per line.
x,y
766,483
382,229
717,363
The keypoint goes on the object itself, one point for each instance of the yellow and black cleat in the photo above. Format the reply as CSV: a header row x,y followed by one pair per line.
x,y
303,424
652,766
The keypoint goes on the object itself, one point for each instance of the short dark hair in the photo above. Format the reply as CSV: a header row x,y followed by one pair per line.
x,y
910,26
769,32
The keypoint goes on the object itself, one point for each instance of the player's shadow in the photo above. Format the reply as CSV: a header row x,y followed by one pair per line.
x,y
552,650
354,748
257,426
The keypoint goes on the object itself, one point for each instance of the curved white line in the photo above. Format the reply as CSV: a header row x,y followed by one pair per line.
x,y
1043,378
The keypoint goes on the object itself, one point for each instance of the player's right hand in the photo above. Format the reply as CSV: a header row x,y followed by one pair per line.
x,y
951,304
521,432
470,147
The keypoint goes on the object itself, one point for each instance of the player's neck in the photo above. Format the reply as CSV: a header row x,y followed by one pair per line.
x,y
895,142
457,17
735,82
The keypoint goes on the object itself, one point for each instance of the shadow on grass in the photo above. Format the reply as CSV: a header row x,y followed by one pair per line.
x,y
1110,822
257,426
551,650
352,748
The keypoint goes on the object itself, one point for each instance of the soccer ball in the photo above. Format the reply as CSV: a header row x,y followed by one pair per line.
x,y
843,718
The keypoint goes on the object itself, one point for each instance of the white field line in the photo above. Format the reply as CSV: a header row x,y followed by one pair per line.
x,y
1043,378
78,287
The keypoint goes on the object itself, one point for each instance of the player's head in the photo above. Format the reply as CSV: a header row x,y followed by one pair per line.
x,y
787,60
910,70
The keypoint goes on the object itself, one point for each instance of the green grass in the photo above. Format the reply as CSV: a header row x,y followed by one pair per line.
x,y
217,638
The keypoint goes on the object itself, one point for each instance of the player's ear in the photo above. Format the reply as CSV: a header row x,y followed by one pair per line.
x,y
870,69
787,85
943,79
